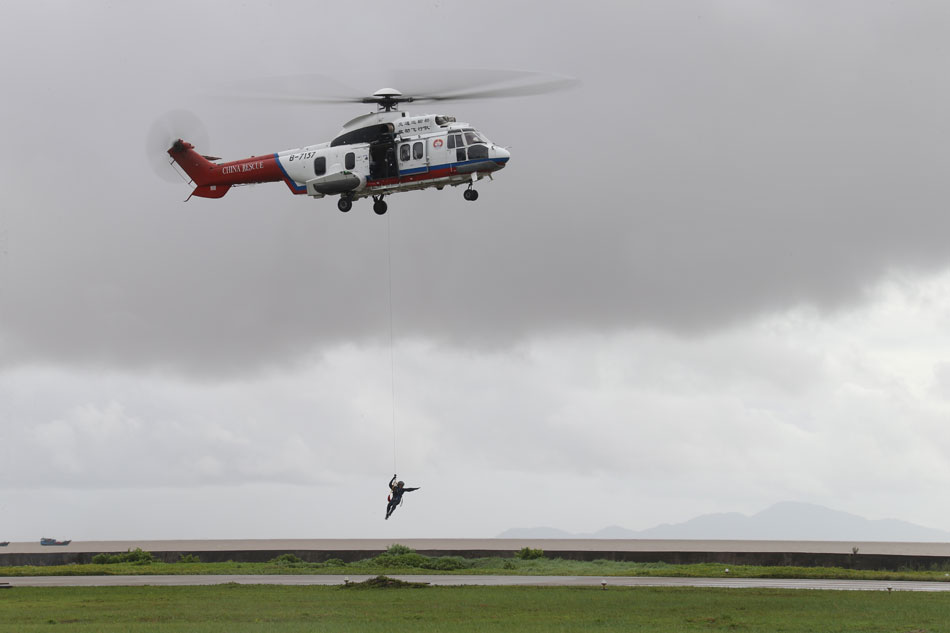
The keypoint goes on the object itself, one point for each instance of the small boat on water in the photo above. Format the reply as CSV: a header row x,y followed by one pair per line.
x,y
4,543
52,541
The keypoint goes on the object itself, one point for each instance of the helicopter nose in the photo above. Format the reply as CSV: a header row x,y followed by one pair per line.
x,y
501,156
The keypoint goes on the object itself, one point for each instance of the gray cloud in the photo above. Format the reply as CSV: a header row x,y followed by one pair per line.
x,y
717,163
580,432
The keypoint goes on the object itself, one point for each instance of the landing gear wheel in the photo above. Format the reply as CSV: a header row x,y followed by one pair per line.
x,y
380,206
344,204
470,194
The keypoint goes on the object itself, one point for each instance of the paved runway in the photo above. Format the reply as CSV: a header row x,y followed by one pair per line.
x,y
547,581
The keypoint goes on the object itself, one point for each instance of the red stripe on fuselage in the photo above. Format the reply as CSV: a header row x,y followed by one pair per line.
x,y
428,175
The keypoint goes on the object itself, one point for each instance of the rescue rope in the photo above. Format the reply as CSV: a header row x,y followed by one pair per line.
x,y
392,353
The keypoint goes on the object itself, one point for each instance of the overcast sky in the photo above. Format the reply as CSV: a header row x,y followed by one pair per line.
x,y
714,276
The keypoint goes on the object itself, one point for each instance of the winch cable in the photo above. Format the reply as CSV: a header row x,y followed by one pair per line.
x,y
392,352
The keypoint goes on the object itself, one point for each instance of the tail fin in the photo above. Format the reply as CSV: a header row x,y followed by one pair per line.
x,y
199,169
195,165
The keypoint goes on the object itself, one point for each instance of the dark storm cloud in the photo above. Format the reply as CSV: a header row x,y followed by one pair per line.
x,y
719,161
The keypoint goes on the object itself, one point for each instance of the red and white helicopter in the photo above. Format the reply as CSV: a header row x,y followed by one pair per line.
x,y
374,155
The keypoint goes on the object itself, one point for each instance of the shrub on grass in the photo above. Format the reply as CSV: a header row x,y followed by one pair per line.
x,y
286,559
138,556
396,549
446,563
334,562
189,558
400,560
526,553
415,560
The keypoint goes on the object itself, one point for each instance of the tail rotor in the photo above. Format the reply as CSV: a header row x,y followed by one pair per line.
x,y
164,132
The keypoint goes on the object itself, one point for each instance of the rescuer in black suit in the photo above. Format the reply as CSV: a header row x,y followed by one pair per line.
x,y
398,489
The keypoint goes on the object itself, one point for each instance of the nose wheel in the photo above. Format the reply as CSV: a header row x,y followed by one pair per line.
x,y
379,206
470,194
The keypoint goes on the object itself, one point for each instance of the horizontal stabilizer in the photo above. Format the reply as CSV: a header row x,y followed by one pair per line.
x,y
210,191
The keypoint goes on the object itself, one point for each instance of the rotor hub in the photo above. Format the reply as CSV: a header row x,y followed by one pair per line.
x,y
387,99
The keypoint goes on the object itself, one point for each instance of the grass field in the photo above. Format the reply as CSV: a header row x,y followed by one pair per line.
x,y
411,562
238,608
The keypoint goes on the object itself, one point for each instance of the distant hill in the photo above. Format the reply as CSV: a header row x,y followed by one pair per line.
x,y
786,521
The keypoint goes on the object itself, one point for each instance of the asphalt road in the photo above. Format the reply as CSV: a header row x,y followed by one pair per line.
x,y
547,581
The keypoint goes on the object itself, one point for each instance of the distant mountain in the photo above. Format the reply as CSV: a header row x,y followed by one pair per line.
x,y
786,521
613,531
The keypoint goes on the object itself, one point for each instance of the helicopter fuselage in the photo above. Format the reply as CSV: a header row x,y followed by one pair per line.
x,y
376,155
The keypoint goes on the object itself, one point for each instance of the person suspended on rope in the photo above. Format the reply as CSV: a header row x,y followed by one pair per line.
x,y
395,498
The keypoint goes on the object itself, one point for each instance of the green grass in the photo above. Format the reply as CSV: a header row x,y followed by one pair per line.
x,y
283,609
413,563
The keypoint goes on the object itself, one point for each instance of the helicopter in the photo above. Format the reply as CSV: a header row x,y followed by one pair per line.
x,y
374,155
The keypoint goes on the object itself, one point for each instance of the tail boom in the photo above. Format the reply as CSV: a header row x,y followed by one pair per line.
x,y
213,180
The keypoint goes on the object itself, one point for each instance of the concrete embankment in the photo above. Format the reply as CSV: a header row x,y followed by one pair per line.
x,y
858,555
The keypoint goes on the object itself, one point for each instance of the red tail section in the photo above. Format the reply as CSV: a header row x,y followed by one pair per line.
x,y
214,179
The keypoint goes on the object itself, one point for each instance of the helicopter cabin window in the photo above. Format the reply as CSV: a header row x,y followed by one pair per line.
x,y
404,152
320,166
455,140
349,161
370,134
417,151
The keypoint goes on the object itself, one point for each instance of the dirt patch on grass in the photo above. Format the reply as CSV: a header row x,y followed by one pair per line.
x,y
385,582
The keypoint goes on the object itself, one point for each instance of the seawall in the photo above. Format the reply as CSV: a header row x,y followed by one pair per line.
x,y
857,555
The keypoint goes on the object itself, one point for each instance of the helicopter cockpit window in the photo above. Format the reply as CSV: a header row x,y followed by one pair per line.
x,y
404,152
455,140
478,152
320,166
471,136
349,161
417,151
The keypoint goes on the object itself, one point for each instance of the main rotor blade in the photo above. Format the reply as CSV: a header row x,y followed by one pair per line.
x,y
307,88
528,90
297,99
416,85
459,82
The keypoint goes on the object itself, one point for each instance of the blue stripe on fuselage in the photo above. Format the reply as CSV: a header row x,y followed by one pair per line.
x,y
421,170
290,181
